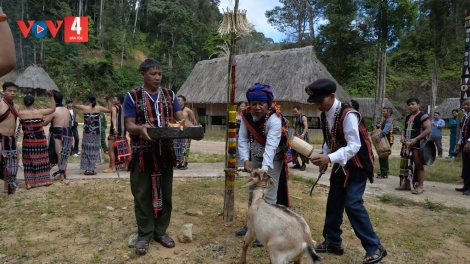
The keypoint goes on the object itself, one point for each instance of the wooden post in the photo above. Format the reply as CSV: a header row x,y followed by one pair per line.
x,y
231,141
465,83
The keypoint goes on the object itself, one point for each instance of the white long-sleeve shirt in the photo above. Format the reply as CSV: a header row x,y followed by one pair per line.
x,y
465,119
351,134
273,138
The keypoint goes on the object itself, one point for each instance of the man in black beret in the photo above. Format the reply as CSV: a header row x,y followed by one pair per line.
x,y
348,147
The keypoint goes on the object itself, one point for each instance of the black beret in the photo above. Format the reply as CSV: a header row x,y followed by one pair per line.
x,y
320,89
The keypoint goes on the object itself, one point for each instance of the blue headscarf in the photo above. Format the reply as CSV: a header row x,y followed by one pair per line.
x,y
261,93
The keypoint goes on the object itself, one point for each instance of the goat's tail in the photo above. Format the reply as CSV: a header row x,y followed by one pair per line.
x,y
315,257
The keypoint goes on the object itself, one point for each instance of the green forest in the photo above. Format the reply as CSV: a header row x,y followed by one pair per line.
x,y
407,47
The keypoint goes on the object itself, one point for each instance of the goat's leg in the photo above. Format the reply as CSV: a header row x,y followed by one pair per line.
x,y
249,236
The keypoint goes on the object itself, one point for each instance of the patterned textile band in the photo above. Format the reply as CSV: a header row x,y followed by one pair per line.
x,y
10,168
91,141
67,138
35,153
180,147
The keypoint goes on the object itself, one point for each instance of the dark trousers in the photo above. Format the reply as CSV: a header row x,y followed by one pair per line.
x,y
349,199
76,140
141,187
438,141
465,168
384,164
453,138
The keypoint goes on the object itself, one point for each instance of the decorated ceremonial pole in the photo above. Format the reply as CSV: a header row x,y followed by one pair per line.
x,y
465,84
235,24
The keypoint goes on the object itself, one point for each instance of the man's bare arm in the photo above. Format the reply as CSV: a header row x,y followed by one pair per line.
x,y
7,48
192,117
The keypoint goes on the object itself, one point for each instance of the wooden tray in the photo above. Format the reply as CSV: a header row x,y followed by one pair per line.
x,y
175,132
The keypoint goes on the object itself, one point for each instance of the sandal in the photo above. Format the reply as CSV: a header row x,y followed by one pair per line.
x,y
141,247
54,175
90,172
376,256
108,171
382,176
28,187
165,240
418,190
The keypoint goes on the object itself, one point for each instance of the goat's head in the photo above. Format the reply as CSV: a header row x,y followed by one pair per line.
x,y
260,178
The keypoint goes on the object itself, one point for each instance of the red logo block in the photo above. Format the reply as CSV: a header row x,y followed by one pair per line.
x,y
75,29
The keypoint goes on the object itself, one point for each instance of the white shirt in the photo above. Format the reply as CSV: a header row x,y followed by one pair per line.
x,y
71,114
351,134
273,138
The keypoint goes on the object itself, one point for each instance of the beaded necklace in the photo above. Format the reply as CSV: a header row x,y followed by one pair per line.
x,y
331,136
164,106
264,133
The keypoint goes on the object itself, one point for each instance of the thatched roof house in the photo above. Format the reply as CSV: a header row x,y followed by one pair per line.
x,y
287,71
446,107
34,78
367,107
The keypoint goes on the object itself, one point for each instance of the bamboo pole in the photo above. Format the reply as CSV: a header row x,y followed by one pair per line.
x,y
230,142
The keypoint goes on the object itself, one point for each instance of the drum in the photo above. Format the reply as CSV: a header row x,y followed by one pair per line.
x,y
427,152
383,146
302,147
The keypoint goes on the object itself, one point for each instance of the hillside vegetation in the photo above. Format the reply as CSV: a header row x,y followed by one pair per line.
x,y
348,36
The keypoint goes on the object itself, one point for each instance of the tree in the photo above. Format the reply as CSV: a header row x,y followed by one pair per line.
x,y
291,18
342,43
389,18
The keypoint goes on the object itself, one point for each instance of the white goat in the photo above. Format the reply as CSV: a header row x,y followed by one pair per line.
x,y
284,233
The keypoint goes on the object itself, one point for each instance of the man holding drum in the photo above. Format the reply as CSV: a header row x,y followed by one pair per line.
x,y
417,128
386,128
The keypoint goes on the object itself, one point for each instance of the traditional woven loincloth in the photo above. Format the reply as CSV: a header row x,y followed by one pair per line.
x,y
65,135
180,147
10,169
35,153
91,141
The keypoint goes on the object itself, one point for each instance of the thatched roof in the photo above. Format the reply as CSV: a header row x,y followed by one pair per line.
x,y
446,107
35,77
287,71
367,107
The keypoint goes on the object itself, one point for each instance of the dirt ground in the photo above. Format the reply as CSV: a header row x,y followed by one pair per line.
x,y
90,220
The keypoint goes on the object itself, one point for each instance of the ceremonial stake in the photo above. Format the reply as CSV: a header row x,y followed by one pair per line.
x,y
319,176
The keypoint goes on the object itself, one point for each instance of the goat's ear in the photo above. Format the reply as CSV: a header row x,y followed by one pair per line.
x,y
249,182
269,179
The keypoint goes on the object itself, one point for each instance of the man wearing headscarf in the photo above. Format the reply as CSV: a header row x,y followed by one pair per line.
x,y
263,133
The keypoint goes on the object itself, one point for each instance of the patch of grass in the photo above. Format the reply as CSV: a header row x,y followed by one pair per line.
x,y
433,206
302,179
395,200
442,170
460,210
205,157
215,135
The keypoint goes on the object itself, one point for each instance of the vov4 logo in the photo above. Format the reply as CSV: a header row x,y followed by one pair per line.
x,y
75,28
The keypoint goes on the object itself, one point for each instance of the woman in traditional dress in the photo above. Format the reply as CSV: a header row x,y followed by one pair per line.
x,y
35,151
91,140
